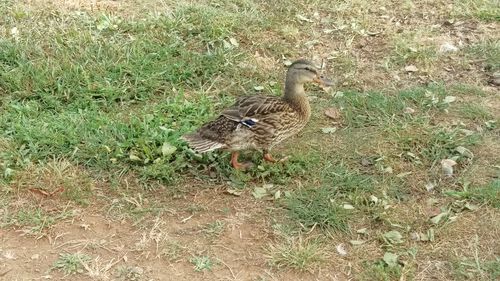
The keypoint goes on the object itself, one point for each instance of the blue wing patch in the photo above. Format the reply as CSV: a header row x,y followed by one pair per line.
x,y
249,122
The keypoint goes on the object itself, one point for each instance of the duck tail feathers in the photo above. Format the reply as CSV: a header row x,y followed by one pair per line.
x,y
200,144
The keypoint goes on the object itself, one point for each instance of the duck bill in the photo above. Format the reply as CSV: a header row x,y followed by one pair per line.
x,y
325,82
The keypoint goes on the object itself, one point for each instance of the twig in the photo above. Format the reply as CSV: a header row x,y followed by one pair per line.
x,y
228,267
186,219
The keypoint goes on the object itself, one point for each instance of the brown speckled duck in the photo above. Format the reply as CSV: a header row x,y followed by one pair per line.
x,y
260,122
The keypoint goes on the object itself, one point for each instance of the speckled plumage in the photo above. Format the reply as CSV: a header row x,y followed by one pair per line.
x,y
260,122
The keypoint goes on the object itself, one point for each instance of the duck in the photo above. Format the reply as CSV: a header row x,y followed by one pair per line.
x,y
260,122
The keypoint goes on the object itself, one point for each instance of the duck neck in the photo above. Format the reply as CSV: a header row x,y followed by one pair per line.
x,y
296,97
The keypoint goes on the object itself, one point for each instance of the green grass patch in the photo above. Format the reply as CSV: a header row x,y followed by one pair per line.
x,y
35,220
409,49
489,193
202,263
380,271
298,254
476,270
71,263
109,92
136,207
487,52
377,108
56,177
323,206
474,112
466,90
486,10
429,144
317,207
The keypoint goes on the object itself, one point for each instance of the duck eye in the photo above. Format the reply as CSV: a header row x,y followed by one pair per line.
x,y
310,69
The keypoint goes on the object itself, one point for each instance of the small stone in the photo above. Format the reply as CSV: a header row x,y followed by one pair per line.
x,y
415,236
447,47
35,256
341,249
495,79
430,186
366,162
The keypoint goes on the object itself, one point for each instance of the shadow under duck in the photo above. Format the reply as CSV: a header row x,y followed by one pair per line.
x,y
260,122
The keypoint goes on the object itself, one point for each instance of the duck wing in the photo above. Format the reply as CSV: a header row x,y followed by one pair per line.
x,y
251,109
259,114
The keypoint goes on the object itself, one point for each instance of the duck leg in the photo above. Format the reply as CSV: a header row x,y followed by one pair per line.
x,y
237,165
269,158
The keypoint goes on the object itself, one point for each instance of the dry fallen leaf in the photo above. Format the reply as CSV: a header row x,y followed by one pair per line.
x,y
348,207
439,217
449,99
332,112
329,130
430,186
234,42
390,259
393,237
409,110
302,18
447,166
167,149
234,192
387,170
259,192
134,157
465,152
411,68
362,230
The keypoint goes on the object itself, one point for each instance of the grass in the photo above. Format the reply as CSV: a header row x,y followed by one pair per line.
x,y
408,52
71,263
486,10
130,273
80,91
488,52
93,105
202,263
56,176
299,255
172,251
475,112
317,207
214,229
489,194
470,269
134,206
381,272
34,219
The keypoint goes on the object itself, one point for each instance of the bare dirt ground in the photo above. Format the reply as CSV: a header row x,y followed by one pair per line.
x,y
156,250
